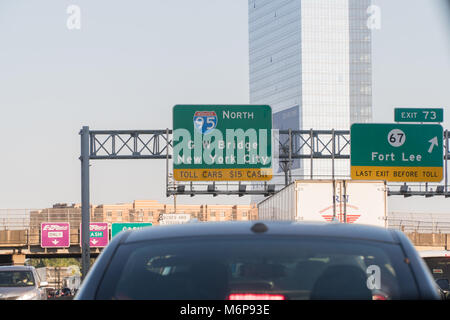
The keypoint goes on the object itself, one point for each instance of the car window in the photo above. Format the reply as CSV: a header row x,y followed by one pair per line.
x,y
439,267
290,268
16,279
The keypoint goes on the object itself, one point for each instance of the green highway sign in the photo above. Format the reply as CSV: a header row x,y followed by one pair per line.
x,y
222,142
419,115
397,152
118,227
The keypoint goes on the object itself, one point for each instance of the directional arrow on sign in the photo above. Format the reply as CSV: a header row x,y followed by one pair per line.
x,y
94,242
434,142
55,242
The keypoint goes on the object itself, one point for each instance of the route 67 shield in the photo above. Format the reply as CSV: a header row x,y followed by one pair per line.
x,y
205,121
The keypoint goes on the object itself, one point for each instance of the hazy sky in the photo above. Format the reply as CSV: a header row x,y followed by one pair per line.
x,y
132,60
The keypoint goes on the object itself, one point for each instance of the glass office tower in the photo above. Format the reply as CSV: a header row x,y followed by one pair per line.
x,y
310,60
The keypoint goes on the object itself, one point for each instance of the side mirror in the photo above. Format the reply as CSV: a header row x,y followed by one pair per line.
x,y
443,284
43,284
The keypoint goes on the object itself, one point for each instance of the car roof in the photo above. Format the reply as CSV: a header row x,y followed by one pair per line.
x,y
236,228
16,268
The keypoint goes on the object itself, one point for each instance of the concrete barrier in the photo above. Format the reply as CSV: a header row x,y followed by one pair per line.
x,y
13,237
429,241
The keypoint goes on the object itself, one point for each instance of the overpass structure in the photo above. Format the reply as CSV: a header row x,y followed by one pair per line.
x,y
20,237
18,245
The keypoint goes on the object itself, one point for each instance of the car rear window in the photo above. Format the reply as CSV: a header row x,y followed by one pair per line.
x,y
14,278
270,267
439,267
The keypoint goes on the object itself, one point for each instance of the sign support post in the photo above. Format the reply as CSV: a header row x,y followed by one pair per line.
x,y
85,202
445,163
333,147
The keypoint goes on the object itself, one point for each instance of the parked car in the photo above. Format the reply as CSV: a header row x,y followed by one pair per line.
x,y
21,283
259,260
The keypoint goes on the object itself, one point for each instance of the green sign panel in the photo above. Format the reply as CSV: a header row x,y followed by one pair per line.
x,y
397,152
118,227
419,115
96,234
222,142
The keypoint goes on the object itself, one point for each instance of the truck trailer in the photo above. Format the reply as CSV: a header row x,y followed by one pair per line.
x,y
346,201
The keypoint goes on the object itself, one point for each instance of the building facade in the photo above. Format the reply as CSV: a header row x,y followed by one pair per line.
x,y
310,60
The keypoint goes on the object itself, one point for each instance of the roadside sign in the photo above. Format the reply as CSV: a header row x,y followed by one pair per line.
x,y
118,227
174,218
397,152
55,235
98,234
419,114
222,142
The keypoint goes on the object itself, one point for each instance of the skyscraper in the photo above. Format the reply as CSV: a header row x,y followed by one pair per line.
x,y
310,60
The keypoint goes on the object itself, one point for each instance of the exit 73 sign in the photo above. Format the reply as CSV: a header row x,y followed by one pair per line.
x,y
397,152
419,115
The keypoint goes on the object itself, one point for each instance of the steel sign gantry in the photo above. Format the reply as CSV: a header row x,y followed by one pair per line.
x,y
126,145
129,144
157,144
109,145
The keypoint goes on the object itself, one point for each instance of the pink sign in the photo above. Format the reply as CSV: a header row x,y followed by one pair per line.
x,y
55,235
98,234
